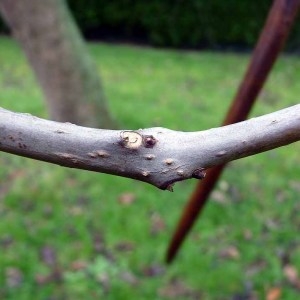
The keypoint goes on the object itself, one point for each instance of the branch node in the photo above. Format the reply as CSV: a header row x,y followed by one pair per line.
x,y
169,161
221,153
131,139
149,156
149,141
199,173
180,173
145,173
102,153
170,187
92,154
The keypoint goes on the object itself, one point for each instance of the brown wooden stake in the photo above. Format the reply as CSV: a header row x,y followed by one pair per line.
x,y
271,41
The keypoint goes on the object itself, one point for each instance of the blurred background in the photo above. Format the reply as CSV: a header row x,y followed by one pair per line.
x,y
175,24
72,234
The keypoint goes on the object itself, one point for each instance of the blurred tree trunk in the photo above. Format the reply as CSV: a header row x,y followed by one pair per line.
x,y
59,57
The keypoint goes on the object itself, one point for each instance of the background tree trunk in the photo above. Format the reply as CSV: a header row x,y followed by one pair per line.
x,y
56,52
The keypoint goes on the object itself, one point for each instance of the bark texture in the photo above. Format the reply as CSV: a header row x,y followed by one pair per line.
x,y
158,156
60,60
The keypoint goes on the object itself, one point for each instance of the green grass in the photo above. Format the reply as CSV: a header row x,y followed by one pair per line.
x,y
65,235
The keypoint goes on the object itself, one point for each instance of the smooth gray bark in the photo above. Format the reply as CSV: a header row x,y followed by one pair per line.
x,y
55,49
158,156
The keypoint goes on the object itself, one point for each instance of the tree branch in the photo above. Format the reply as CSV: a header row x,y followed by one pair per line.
x,y
158,156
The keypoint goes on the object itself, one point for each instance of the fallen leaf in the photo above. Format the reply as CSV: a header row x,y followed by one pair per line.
x,y
100,246
272,224
42,279
76,210
230,252
295,185
219,197
78,265
105,281
6,241
99,243
256,267
153,270
178,289
129,278
224,185
126,198
14,277
48,256
157,223
274,293
54,276
281,196
125,246
291,274
247,234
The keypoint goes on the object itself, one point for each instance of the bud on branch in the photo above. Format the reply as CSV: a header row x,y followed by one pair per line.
x,y
158,156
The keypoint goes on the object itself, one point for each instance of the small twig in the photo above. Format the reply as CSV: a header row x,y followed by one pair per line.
x,y
158,156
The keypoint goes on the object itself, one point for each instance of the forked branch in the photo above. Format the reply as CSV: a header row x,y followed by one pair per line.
x,y
158,156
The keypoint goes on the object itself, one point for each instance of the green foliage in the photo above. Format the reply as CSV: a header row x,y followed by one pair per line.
x,y
192,23
72,234
178,24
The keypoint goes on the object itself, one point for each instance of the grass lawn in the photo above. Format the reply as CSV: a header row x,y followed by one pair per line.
x,y
71,234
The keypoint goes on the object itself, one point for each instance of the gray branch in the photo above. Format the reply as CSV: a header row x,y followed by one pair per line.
x,y
158,156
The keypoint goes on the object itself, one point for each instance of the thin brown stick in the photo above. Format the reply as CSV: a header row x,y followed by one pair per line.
x,y
272,39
